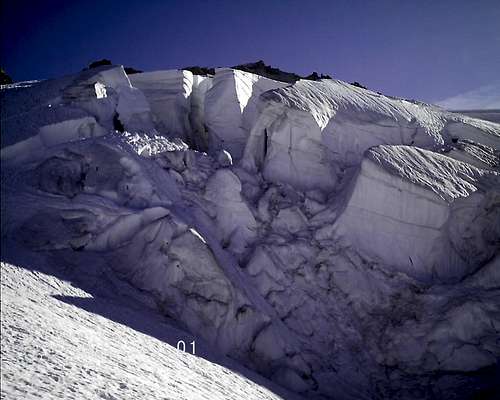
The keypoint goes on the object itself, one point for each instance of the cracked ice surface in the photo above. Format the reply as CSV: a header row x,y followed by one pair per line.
x,y
339,242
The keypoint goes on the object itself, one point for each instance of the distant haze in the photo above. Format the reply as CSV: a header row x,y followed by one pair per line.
x,y
427,49
484,98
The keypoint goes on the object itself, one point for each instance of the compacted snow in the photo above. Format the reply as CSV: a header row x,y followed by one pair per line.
x,y
61,341
340,243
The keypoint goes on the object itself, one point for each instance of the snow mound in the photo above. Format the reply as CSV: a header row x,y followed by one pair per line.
x,y
50,136
89,104
233,215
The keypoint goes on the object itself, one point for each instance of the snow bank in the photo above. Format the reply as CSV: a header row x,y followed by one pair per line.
x,y
94,332
404,210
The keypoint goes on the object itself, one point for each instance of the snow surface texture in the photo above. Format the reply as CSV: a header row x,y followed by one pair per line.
x,y
341,243
104,344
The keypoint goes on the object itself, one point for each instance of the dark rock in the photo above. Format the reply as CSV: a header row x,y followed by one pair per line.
x,y
132,70
357,84
315,77
201,70
260,68
4,78
99,63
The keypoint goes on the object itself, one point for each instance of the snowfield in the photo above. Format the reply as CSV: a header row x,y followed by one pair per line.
x,y
62,342
339,243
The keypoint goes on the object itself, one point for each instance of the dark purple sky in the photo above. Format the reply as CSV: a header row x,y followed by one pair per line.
x,y
425,49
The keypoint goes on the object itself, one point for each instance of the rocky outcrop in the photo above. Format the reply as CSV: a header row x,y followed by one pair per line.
x,y
5,79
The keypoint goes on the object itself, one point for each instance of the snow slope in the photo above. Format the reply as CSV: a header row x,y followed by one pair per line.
x,y
488,115
339,242
61,341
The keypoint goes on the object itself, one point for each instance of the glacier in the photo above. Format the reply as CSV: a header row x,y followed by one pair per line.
x,y
341,243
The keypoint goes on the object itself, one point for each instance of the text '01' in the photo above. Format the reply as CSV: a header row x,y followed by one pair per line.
x,y
181,345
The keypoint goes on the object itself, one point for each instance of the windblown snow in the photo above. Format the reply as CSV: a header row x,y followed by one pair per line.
x,y
340,243
62,342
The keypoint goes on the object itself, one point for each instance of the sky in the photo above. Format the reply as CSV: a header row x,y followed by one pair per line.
x,y
426,49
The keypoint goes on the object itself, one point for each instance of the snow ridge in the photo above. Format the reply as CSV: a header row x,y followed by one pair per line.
x,y
448,178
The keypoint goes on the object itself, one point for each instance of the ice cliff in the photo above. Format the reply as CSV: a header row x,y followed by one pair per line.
x,y
340,242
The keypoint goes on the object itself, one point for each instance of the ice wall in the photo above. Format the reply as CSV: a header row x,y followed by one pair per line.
x,y
231,108
405,207
168,93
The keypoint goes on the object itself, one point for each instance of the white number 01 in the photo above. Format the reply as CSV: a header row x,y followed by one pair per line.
x,y
181,345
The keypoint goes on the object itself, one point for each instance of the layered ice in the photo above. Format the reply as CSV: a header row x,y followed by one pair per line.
x,y
231,107
168,93
423,213
177,100
310,129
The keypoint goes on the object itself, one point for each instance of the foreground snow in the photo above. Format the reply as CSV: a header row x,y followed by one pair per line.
x,y
55,345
